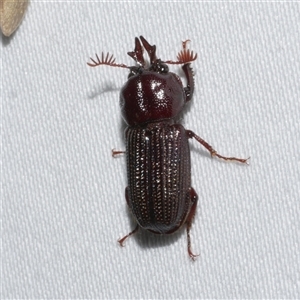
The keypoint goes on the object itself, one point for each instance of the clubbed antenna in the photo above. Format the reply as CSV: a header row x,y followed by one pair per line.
x,y
108,60
184,56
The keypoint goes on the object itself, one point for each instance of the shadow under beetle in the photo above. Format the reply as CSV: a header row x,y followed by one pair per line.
x,y
159,192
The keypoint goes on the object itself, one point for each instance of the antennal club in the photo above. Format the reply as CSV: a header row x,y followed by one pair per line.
x,y
184,56
108,60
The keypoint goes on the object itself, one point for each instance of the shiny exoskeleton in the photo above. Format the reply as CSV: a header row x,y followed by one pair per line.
x,y
159,176
159,192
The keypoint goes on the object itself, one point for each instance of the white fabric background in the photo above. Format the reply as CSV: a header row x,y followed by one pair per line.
x,y
63,194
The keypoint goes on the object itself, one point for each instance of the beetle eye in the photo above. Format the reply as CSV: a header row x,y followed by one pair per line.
x,y
159,67
134,71
163,68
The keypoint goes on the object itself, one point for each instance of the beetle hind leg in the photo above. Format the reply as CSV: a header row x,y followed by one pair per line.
x,y
194,200
122,240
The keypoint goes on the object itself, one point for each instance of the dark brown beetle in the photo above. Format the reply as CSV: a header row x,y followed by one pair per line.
x,y
159,192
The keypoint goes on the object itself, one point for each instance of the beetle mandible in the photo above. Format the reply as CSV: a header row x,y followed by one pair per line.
x,y
159,192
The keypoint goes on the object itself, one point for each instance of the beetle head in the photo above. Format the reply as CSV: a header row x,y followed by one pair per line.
x,y
152,93
156,65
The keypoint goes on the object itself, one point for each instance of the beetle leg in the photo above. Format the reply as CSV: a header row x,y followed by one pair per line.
x,y
115,153
189,89
212,151
121,241
194,200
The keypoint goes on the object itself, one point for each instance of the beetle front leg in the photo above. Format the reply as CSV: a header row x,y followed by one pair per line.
x,y
190,217
189,89
122,240
212,151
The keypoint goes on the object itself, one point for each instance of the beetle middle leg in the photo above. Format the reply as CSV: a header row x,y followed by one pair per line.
x,y
115,153
212,151
194,199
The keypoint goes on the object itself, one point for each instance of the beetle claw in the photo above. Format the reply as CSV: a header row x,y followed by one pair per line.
x,y
192,255
121,241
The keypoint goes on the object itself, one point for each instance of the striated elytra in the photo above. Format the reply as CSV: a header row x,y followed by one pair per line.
x,y
159,192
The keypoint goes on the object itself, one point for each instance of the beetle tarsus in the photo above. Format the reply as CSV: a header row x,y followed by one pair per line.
x,y
122,240
194,199
241,160
213,152
191,254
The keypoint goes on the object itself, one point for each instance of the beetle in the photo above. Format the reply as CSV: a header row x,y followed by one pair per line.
x,y
159,192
